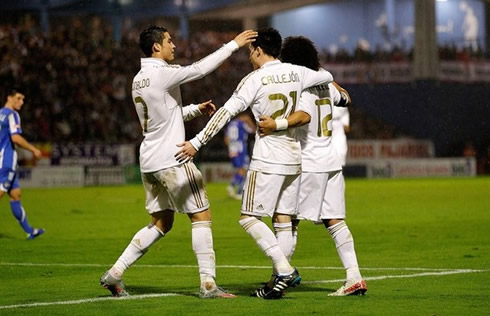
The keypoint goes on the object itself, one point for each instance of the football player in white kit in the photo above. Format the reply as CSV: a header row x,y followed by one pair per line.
x,y
169,184
272,182
322,183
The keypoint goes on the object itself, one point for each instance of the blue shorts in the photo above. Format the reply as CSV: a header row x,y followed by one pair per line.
x,y
240,161
8,180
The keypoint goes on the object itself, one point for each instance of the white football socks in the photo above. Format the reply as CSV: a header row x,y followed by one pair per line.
x,y
284,235
266,241
138,246
345,248
202,244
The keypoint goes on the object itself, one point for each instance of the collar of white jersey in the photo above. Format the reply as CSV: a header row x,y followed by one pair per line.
x,y
271,63
153,61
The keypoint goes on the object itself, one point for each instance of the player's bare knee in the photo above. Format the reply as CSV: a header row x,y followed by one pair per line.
x,y
163,220
281,218
203,216
331,221
15,195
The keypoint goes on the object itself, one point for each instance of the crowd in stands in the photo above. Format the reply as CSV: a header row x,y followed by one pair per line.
x,y
447,52
77,79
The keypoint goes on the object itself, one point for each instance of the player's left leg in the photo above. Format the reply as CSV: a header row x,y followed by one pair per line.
x,y
261,198
188,194
202,244
140,244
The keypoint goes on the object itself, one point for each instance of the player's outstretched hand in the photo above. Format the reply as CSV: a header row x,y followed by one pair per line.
x,y
267,125
207,108
246,37
186,153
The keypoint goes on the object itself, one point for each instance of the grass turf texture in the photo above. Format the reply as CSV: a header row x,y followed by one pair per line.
x,y
399,227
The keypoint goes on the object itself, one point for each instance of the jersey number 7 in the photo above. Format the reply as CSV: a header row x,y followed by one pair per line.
x,y
144,124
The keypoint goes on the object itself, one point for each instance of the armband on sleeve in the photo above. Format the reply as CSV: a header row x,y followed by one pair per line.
x,y
344,100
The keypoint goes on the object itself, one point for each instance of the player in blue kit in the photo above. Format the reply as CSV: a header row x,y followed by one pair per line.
x,y
236,138
10,135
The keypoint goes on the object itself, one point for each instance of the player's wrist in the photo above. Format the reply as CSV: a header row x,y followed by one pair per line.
x,y
281,124
233,45
196,143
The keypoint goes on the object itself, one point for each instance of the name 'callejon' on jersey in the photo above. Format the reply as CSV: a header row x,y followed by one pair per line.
x,y
284,78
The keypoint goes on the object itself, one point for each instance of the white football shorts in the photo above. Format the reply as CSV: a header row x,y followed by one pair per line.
x,y
180,188
265,194
321,196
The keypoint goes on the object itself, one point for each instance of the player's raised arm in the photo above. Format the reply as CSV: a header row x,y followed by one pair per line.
x,y
181,75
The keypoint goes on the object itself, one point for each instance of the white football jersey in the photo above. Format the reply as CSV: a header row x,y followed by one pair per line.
x,y
272,90
156,96
341,118
317,151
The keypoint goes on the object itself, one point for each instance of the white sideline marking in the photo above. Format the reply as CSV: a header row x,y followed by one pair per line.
x,y
414,275
143,296
217,266
90,300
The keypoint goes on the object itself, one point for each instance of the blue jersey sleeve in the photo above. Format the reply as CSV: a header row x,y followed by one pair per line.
x,y
14,123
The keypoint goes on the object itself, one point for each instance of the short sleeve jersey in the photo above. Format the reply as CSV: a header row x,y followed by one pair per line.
x,y
9,125
274,90
317,151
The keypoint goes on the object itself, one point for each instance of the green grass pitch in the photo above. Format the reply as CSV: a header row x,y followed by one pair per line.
x,y
423,246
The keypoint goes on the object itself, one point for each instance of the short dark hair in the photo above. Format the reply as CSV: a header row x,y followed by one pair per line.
x,y
150,36
269,40
300,50
12,92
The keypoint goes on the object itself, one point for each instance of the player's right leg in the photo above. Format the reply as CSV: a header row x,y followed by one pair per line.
x,y
161,223
9,183
333,216
261,195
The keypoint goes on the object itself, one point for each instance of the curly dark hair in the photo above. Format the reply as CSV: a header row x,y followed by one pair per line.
x,y
269,40
150,36
300,50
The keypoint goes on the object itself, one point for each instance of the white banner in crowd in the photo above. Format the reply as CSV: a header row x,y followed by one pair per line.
x,y
401,72
51,177
434,167
464,72
365,150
